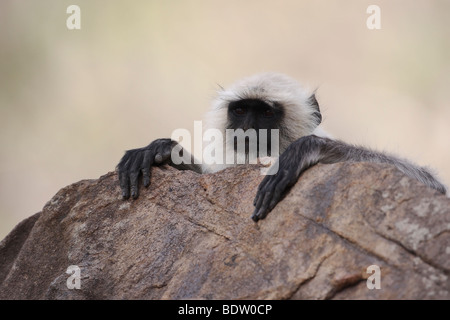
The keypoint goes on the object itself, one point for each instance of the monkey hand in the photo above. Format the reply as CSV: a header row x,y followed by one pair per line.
x,y
270,192
299,156
138,162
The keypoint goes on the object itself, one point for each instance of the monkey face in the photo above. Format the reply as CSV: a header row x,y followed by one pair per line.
x,y
254,114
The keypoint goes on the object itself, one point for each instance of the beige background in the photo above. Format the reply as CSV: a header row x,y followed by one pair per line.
x,y
71,102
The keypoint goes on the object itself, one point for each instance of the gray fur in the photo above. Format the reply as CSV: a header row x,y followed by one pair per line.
x,y
340,151
302,118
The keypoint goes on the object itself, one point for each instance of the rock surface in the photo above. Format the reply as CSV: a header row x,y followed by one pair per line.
x,y
190,236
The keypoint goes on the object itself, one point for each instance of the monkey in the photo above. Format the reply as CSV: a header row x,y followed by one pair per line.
x,y
266,101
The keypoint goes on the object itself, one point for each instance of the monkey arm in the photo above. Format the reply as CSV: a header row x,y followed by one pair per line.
x,y
310,150
299,156
138,162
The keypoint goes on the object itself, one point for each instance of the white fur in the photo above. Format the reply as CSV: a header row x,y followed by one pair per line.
x,y
271,88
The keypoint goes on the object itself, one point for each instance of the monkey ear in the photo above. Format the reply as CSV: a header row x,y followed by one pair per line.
x,y
312,101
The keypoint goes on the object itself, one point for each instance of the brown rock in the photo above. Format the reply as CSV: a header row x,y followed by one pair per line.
x,y
190,236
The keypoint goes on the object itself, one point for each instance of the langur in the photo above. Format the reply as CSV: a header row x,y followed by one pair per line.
x,y
263,103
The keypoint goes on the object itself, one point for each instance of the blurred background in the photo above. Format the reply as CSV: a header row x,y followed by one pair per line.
x,y
72,101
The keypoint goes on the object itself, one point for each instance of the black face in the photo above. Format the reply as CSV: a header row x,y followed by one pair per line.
x,y
254,114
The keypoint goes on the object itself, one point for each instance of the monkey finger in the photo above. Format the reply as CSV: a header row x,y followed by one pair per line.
x,y
270,194
265,185
146,167
134,177
258,214
258,199
257,203
258,195
158,158
265,205
124,184
279,189
265,181
255,215
261,211
146,176
135,170
274,181
163,156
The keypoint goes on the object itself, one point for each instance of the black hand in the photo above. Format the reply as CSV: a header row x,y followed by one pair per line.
x,y
271,190
299,156
139,161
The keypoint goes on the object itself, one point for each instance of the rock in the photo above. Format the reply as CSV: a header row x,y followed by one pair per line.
x,y
190,236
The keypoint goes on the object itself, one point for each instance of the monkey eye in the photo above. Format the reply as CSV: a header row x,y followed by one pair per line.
x,y
268,113
240,111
